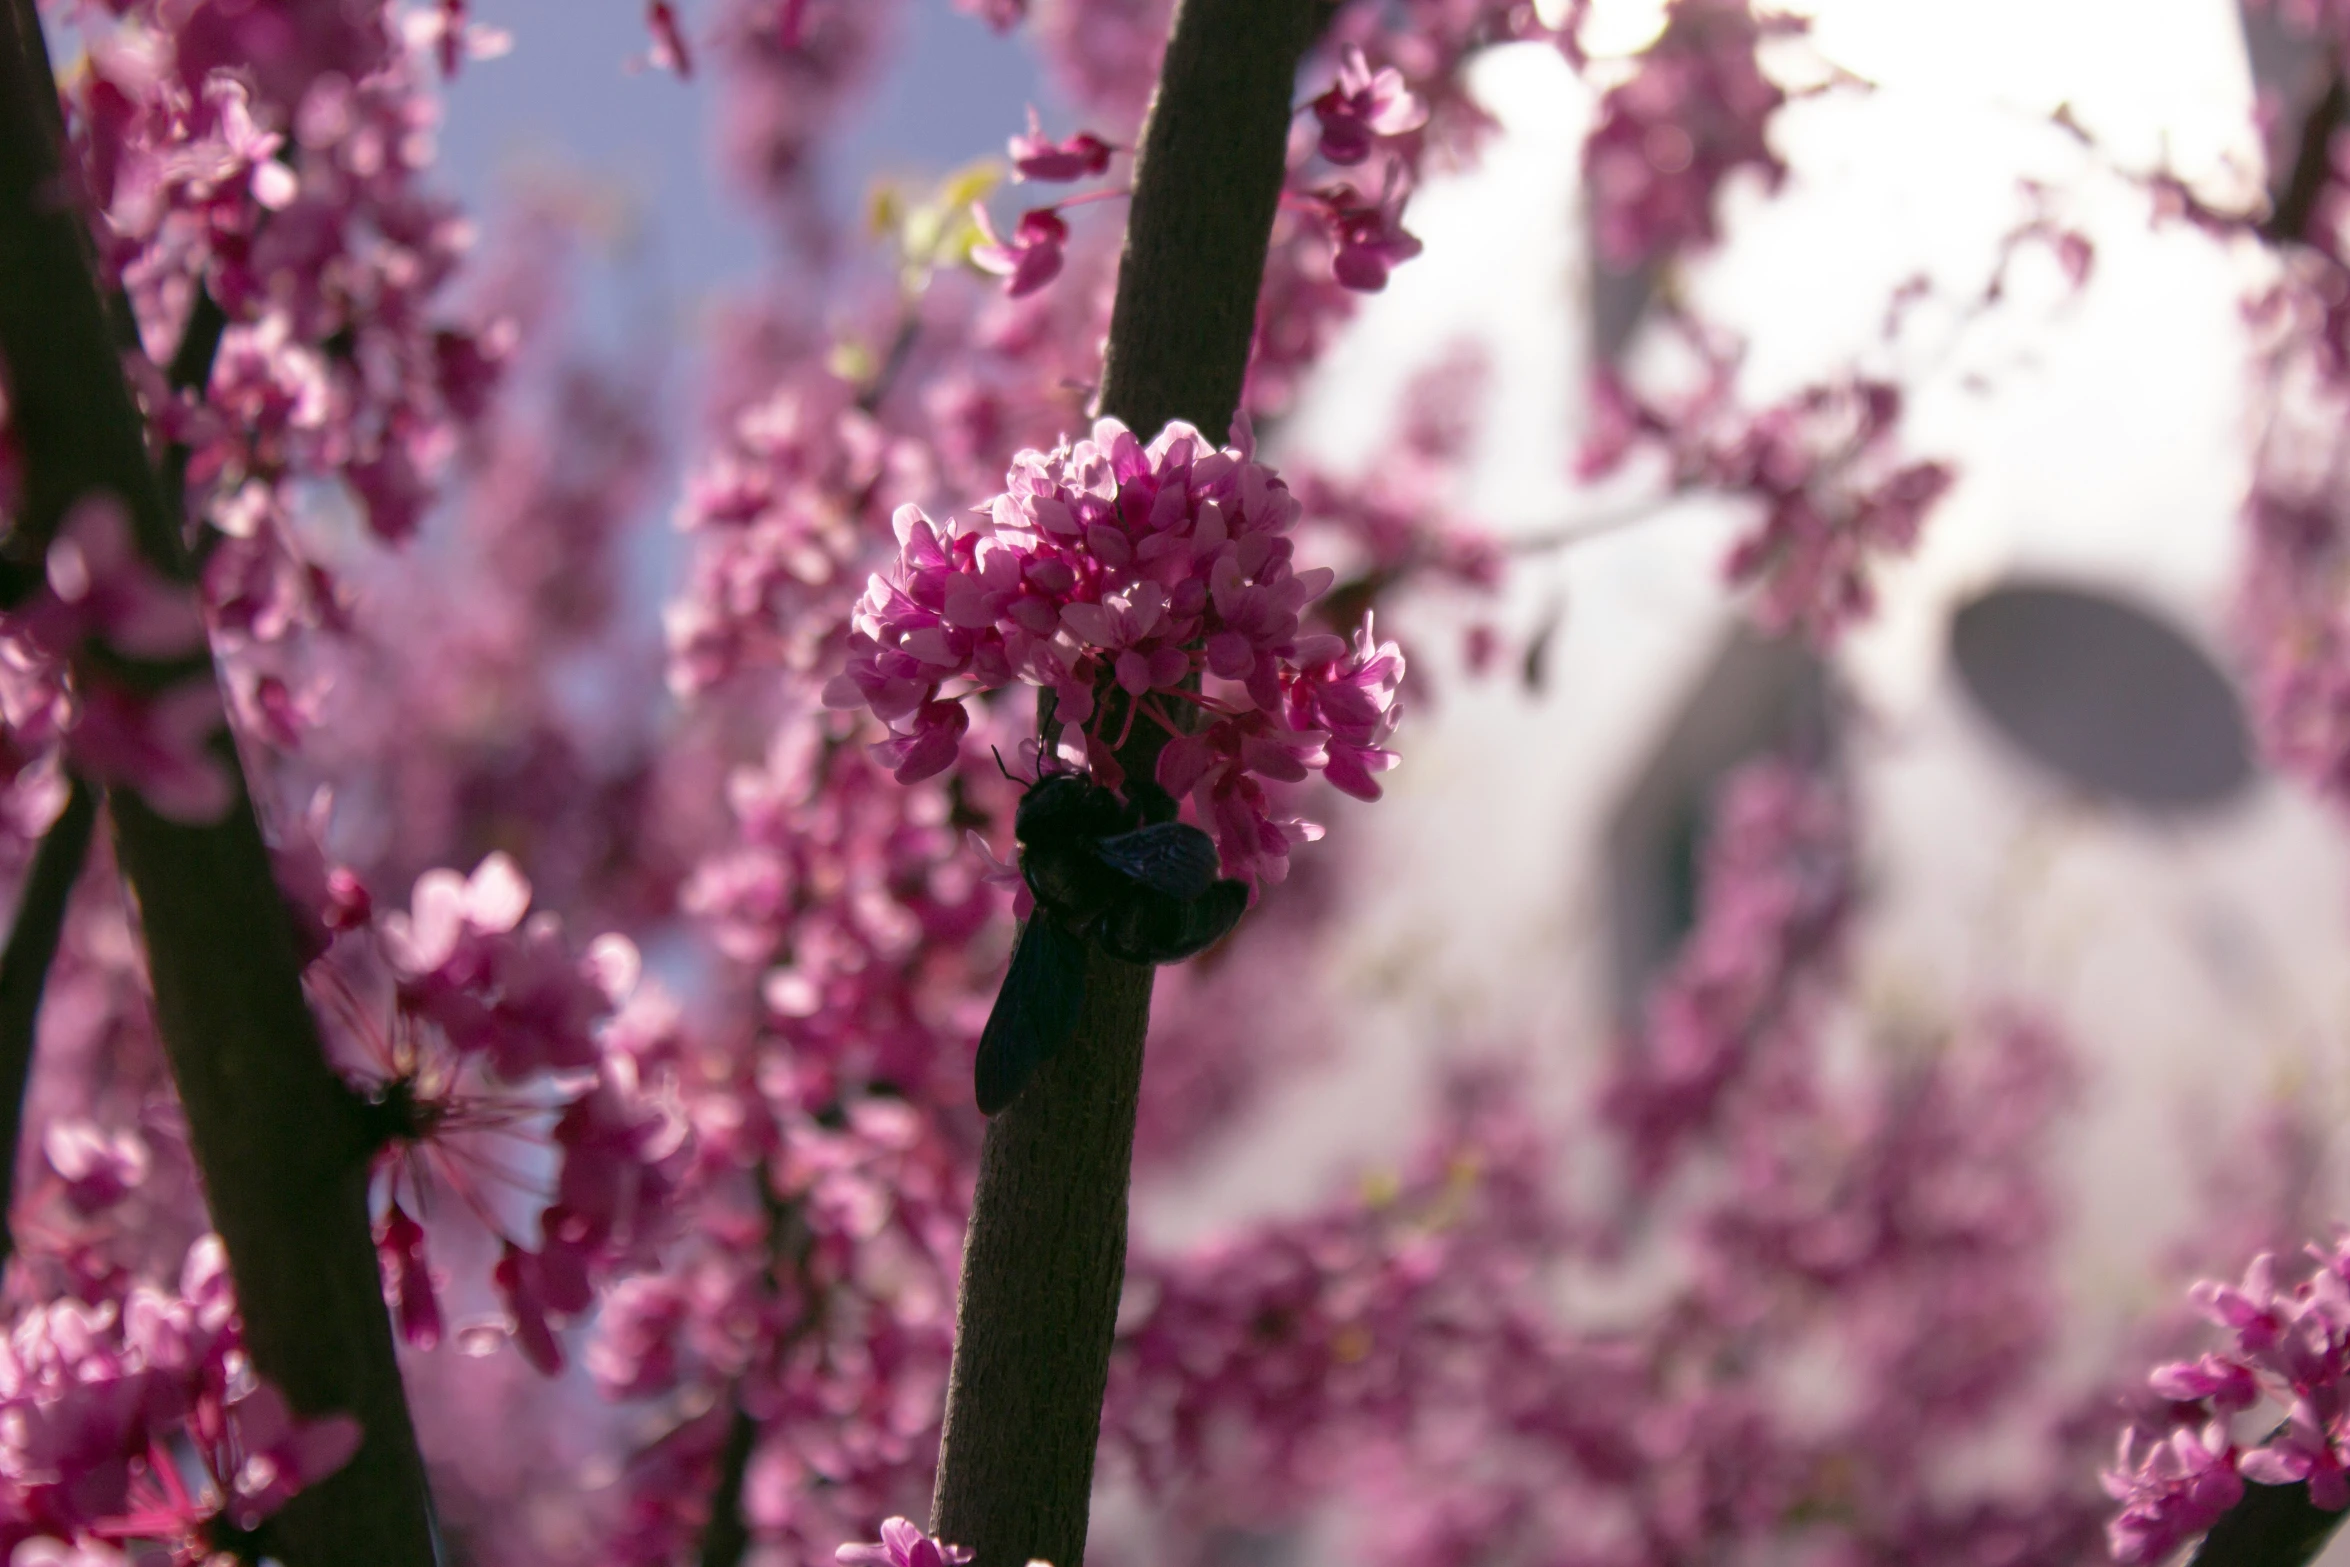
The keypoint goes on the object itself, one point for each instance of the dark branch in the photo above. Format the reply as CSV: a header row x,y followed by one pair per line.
x,y
68,403
1207,180
1046,1255
279,1139
2296,204
2273,1526
725,1538
2278,1525
24,969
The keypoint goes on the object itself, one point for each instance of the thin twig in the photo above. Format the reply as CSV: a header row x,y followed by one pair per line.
x,y
24,970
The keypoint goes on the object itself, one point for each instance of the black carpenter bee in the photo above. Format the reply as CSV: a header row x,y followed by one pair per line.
x,y
1123,875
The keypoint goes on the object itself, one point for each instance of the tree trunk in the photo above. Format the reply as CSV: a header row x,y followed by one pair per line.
x,y
1046,1254
277,1135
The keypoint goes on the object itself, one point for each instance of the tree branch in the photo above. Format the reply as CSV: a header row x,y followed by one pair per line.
x,y
1046,1254
2312,170
2278,1525
279,1138
2273,1526
1207,180
725,1537
24,969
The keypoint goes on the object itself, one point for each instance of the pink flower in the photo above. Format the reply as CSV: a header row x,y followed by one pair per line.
x,y
2254,1312
1362,105
266,1455
1031,259
2307,1449
160,747
99,1168
2171,1492
2228,1385
1350,697
929,746
1694,112
669,51
408,1280
1370,236
521,1284
99,587
1112,574
1002,15
902,1545
1037,156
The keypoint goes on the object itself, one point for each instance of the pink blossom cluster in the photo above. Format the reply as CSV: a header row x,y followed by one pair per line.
x,y
99,657
1694,112
268,155
758,1193
903,1544
103,1393
783,511
493,1050
1778,890
1404,1353
2286,1349
789,72
2295,626
1341,234
1116,575
1835,498
810,1302
858,903
1363,111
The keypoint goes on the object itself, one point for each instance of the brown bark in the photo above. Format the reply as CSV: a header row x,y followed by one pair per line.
x,y
1046,1254
278,1137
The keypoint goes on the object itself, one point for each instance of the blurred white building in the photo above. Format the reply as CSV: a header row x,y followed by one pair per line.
x,y
2039,722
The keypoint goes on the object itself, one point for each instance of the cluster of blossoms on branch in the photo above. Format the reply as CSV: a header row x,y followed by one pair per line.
x,y
1836,497
2286,1350
102,669
106,1399
485,1053
1403,1352
1694,111
759,1198
1361,111
1107,567
1748,982
268,159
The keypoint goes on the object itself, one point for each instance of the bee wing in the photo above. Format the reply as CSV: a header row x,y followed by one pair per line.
x,y
1147,928
1035,1012
1174,859
1208,919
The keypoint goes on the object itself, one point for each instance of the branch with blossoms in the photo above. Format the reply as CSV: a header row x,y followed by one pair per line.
x,y
2183,1470
1142,588
1363,111
1836,496
1149,589
108,1394
245,1051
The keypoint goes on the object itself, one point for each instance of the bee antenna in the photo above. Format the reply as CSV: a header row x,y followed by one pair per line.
x,y
999,764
